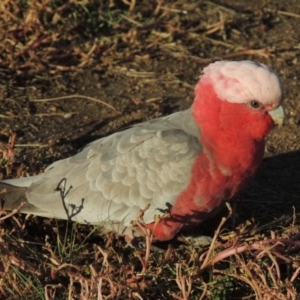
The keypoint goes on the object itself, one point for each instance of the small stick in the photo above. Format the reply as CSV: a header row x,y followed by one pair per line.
x,y
55,114
73,96
204,291
295,275
13,212
207,259
30,145
51,286
289,14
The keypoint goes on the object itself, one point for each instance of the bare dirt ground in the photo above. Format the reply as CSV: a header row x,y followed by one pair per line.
x,y
143,60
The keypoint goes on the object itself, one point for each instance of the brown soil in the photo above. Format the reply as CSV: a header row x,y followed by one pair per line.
x,y
157,83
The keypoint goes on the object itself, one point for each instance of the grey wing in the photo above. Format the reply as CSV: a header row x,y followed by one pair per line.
x,y
113,178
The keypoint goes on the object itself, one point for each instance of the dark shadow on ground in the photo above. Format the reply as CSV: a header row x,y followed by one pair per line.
x,y
166,107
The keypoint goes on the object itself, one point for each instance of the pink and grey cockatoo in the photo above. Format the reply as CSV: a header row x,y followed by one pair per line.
x,y
187,164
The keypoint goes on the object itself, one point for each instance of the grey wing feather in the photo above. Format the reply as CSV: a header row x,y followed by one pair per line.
x,y
111,179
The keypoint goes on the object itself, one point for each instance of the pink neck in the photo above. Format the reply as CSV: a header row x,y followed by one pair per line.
x,y
232,151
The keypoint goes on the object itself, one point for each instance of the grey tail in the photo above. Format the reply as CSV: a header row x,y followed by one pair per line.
x,y
13,193
12,196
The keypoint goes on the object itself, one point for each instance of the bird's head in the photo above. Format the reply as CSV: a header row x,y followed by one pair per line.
x,y
243,97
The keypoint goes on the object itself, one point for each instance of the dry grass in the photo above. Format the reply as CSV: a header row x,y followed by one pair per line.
x,y
56,260
68,35
49,259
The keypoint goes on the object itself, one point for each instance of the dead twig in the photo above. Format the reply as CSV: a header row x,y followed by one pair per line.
x,y
50,290
13,212
139,222
184,283
289,14
31,145
73,96
131,4
65,115
207,260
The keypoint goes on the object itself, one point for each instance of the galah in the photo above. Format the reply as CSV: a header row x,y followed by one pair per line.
x,y
184,166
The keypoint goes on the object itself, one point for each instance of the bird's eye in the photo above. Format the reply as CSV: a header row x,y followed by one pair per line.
x,y
254,104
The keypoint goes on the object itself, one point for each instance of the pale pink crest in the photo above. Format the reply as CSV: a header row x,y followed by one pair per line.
x,y
242,81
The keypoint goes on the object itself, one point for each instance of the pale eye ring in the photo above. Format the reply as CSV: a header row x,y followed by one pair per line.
x,y
254,104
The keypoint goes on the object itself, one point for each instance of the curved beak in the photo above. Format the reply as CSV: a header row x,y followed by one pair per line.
x,y
278,115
